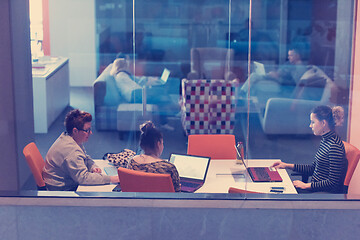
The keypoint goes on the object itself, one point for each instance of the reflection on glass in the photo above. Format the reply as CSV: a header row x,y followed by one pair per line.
x,y
283,59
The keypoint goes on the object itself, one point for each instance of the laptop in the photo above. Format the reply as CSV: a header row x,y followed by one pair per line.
x,y
164,76
192,170
261,174
153,81
259,68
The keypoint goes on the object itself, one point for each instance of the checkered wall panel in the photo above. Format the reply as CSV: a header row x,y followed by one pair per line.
x,y
208,106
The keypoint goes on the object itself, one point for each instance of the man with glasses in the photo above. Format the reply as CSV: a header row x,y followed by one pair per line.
x,y
67,165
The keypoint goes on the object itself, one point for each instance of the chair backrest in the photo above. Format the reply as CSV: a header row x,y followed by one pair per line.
x,y
212,62
35,162
216,146
352,156
138,181
208,106
238,190
354,184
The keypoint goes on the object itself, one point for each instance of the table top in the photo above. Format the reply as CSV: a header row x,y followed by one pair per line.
x,y
221,175
47,65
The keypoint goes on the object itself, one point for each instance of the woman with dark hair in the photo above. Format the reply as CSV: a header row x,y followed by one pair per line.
x,y
329,168
151,142
67,165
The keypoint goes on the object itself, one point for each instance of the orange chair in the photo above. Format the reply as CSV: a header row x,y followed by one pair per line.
x,y
36,163
353,156
238,190
216,146
138,181
354,184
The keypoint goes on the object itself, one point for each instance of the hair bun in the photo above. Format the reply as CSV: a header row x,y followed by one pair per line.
x,y
145,127
338,115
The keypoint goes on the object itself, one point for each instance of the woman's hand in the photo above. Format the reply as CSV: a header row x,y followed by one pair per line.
x,y
283,165
302,185
96,170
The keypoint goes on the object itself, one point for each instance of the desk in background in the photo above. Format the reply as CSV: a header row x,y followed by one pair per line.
x,y
222,174
51,93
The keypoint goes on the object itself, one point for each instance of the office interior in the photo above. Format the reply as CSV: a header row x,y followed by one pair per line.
x,y
151,42
167,41
164,38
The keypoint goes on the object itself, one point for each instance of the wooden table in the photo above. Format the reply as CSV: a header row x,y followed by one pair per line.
x,y
222,174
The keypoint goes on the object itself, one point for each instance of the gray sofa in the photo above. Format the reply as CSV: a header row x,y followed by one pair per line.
x,y
291,115
118,100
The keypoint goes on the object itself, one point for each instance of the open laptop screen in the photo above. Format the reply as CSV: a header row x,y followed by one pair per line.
x,y
165,75
259,68
190,166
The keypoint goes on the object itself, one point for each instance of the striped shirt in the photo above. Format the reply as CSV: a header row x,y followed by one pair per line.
x,y
329,168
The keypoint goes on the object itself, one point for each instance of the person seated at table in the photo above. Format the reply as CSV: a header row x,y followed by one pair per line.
x,y
152,144
329,168
67,165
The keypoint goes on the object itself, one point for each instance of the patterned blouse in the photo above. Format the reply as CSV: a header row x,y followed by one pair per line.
x,y
158,167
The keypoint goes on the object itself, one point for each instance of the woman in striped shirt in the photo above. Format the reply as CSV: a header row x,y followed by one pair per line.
x,y
329,168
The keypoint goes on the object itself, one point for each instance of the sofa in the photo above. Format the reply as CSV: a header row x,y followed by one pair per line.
x,y
291,115
118,100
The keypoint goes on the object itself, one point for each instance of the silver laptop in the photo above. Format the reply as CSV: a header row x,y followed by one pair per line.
x,y
192,170
165,76
259,68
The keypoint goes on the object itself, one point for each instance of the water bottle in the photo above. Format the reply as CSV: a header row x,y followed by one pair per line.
x,y
240,155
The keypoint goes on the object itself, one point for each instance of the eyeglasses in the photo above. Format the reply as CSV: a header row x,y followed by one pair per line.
x,y
87,130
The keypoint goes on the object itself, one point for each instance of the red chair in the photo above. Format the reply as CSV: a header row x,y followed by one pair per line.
x,y
353,156
138,181
216,146
36,163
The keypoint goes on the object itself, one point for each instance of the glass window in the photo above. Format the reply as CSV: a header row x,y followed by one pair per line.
x,y
281,57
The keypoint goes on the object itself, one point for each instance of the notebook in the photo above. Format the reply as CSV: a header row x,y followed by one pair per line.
x,y
192,170
259,68
261,174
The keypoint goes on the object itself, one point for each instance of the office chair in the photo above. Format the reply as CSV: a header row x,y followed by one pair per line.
x,y
138,181
353,156
36,163
238,190
354,184
216,146
211,63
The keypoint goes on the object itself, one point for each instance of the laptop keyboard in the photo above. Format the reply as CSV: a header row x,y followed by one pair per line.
x,y
262,174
